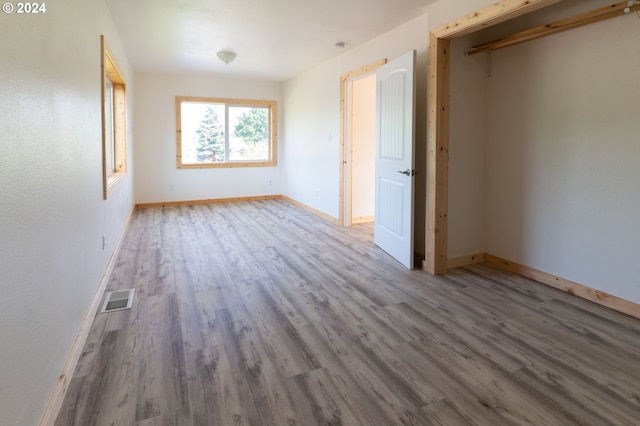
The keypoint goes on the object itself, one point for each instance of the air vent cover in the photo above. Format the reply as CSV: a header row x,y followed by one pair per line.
x,y
117,300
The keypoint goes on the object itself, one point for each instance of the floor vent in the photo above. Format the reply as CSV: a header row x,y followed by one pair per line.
x,y
117,300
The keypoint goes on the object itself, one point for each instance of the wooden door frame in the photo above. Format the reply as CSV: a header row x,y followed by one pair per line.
x,y
345,80
438,116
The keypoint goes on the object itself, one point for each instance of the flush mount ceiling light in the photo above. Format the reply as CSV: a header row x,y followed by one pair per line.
x,y
226,56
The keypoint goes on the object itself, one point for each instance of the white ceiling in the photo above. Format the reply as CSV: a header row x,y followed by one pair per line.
x,y
274,39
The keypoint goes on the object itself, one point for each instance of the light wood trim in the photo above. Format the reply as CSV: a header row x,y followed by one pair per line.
x,y
344,78
114,181
228,101
238,200
111,68
597,296
438,117
363,219
344,220
316,212
600,14
178,132
111,71
491,15
120,127
437,155
207,201
229,165
470,259
273,131
363,70
62,386
580,290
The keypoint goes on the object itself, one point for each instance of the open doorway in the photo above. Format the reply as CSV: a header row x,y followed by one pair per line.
x,y
391,145
361,139
357,183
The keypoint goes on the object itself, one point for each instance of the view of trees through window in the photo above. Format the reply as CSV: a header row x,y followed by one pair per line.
x,y
217,133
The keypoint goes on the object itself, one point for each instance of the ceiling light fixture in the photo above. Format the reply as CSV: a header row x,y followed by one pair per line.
x,y
226,56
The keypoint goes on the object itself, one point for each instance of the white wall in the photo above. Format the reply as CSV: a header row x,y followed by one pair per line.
x,y
466,151
311,157
562,161
52,216
157,178
445,11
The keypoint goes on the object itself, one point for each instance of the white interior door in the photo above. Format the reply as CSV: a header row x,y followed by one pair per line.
x,y
394,169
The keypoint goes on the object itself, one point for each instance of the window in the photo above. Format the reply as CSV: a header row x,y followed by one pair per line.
x,y
108,128
225,132
114,144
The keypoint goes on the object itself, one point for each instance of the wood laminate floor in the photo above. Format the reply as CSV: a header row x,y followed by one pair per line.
x,y
260,313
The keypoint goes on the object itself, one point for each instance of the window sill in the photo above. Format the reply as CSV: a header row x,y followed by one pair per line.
x,y
113,182
228,165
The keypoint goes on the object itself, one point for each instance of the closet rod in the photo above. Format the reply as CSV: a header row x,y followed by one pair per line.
x,y
601,14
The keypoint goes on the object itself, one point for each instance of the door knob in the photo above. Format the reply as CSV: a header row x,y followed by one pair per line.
x,y
407,172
